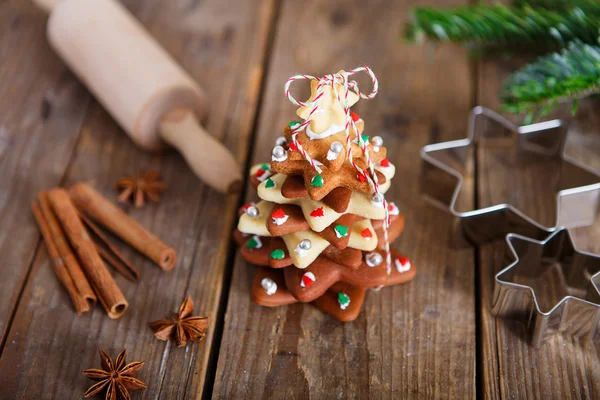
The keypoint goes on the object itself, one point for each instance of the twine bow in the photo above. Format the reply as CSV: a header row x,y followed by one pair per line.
x,y
333,80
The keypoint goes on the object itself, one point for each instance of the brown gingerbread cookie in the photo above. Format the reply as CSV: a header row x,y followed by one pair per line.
x,y
338,199
269,290
342,301
329,151
308,284
320,185
272,252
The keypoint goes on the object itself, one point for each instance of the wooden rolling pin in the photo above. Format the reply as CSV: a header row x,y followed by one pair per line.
x,y
141,85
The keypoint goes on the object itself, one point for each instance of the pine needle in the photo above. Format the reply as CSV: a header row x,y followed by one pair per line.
x,y
554,79
503,25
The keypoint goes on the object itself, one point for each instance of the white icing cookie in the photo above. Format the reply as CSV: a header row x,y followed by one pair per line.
x,y
304,258
258,224
357,241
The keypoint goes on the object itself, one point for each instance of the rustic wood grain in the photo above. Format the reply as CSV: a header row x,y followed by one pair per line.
x,y
563,367
41,110
223,45
415,340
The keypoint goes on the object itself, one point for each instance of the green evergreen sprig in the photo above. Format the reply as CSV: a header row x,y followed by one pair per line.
x,y
558,5
504,25
551,80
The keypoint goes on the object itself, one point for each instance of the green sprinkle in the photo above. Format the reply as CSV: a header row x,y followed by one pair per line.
x,y
317,180
254,243
277,254
343,300
269,183
341,231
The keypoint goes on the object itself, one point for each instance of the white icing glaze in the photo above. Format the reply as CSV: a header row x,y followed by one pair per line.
x,y
279,159
301,252
280,221
332,130
332,155
269,285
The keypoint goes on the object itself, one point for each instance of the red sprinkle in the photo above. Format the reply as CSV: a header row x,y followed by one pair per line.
x,y
317,212
403,260
354,116
307,280
366,233
292,146
385,163
278,214
260,172
361,177
245,206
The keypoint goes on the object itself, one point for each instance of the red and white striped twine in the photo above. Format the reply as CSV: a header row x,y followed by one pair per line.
x,y
333,80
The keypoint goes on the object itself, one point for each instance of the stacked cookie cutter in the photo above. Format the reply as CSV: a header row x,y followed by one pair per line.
x,y
533,247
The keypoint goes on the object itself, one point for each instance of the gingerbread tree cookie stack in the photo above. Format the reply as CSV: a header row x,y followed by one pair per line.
x,y
322,229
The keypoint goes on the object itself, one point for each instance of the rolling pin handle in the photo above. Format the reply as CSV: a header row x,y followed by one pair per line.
x,y
206,156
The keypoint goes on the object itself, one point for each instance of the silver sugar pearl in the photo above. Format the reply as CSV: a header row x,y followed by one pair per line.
x,y
374,258
305,244
337,147
377,197
278,151
280,141
377,141
252,211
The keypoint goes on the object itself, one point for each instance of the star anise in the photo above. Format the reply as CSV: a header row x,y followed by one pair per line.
x,y
117,377
182,326
147,185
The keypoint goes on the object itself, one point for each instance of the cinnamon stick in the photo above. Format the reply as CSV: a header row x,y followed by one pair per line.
x,y
110,253
79,302
65,252
97,207
102,281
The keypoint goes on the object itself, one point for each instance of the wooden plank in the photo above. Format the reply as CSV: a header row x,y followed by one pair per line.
x,y
225,52
414,340
562,367
41,112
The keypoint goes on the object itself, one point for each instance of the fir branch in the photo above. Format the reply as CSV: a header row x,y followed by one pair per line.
x,y
554,79
499,24
558,5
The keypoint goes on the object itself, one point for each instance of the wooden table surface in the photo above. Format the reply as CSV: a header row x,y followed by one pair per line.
x,y
432,338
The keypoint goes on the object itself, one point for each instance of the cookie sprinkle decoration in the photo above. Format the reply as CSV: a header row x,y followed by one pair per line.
x,y
402,264
317,213
317,181
270,184
303,247
343,300
307,279
254,242
279,217
263,172
277,254
340,231
367,234
269,285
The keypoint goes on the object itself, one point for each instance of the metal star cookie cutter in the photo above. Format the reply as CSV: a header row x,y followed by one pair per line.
x,y
579,186
577,312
